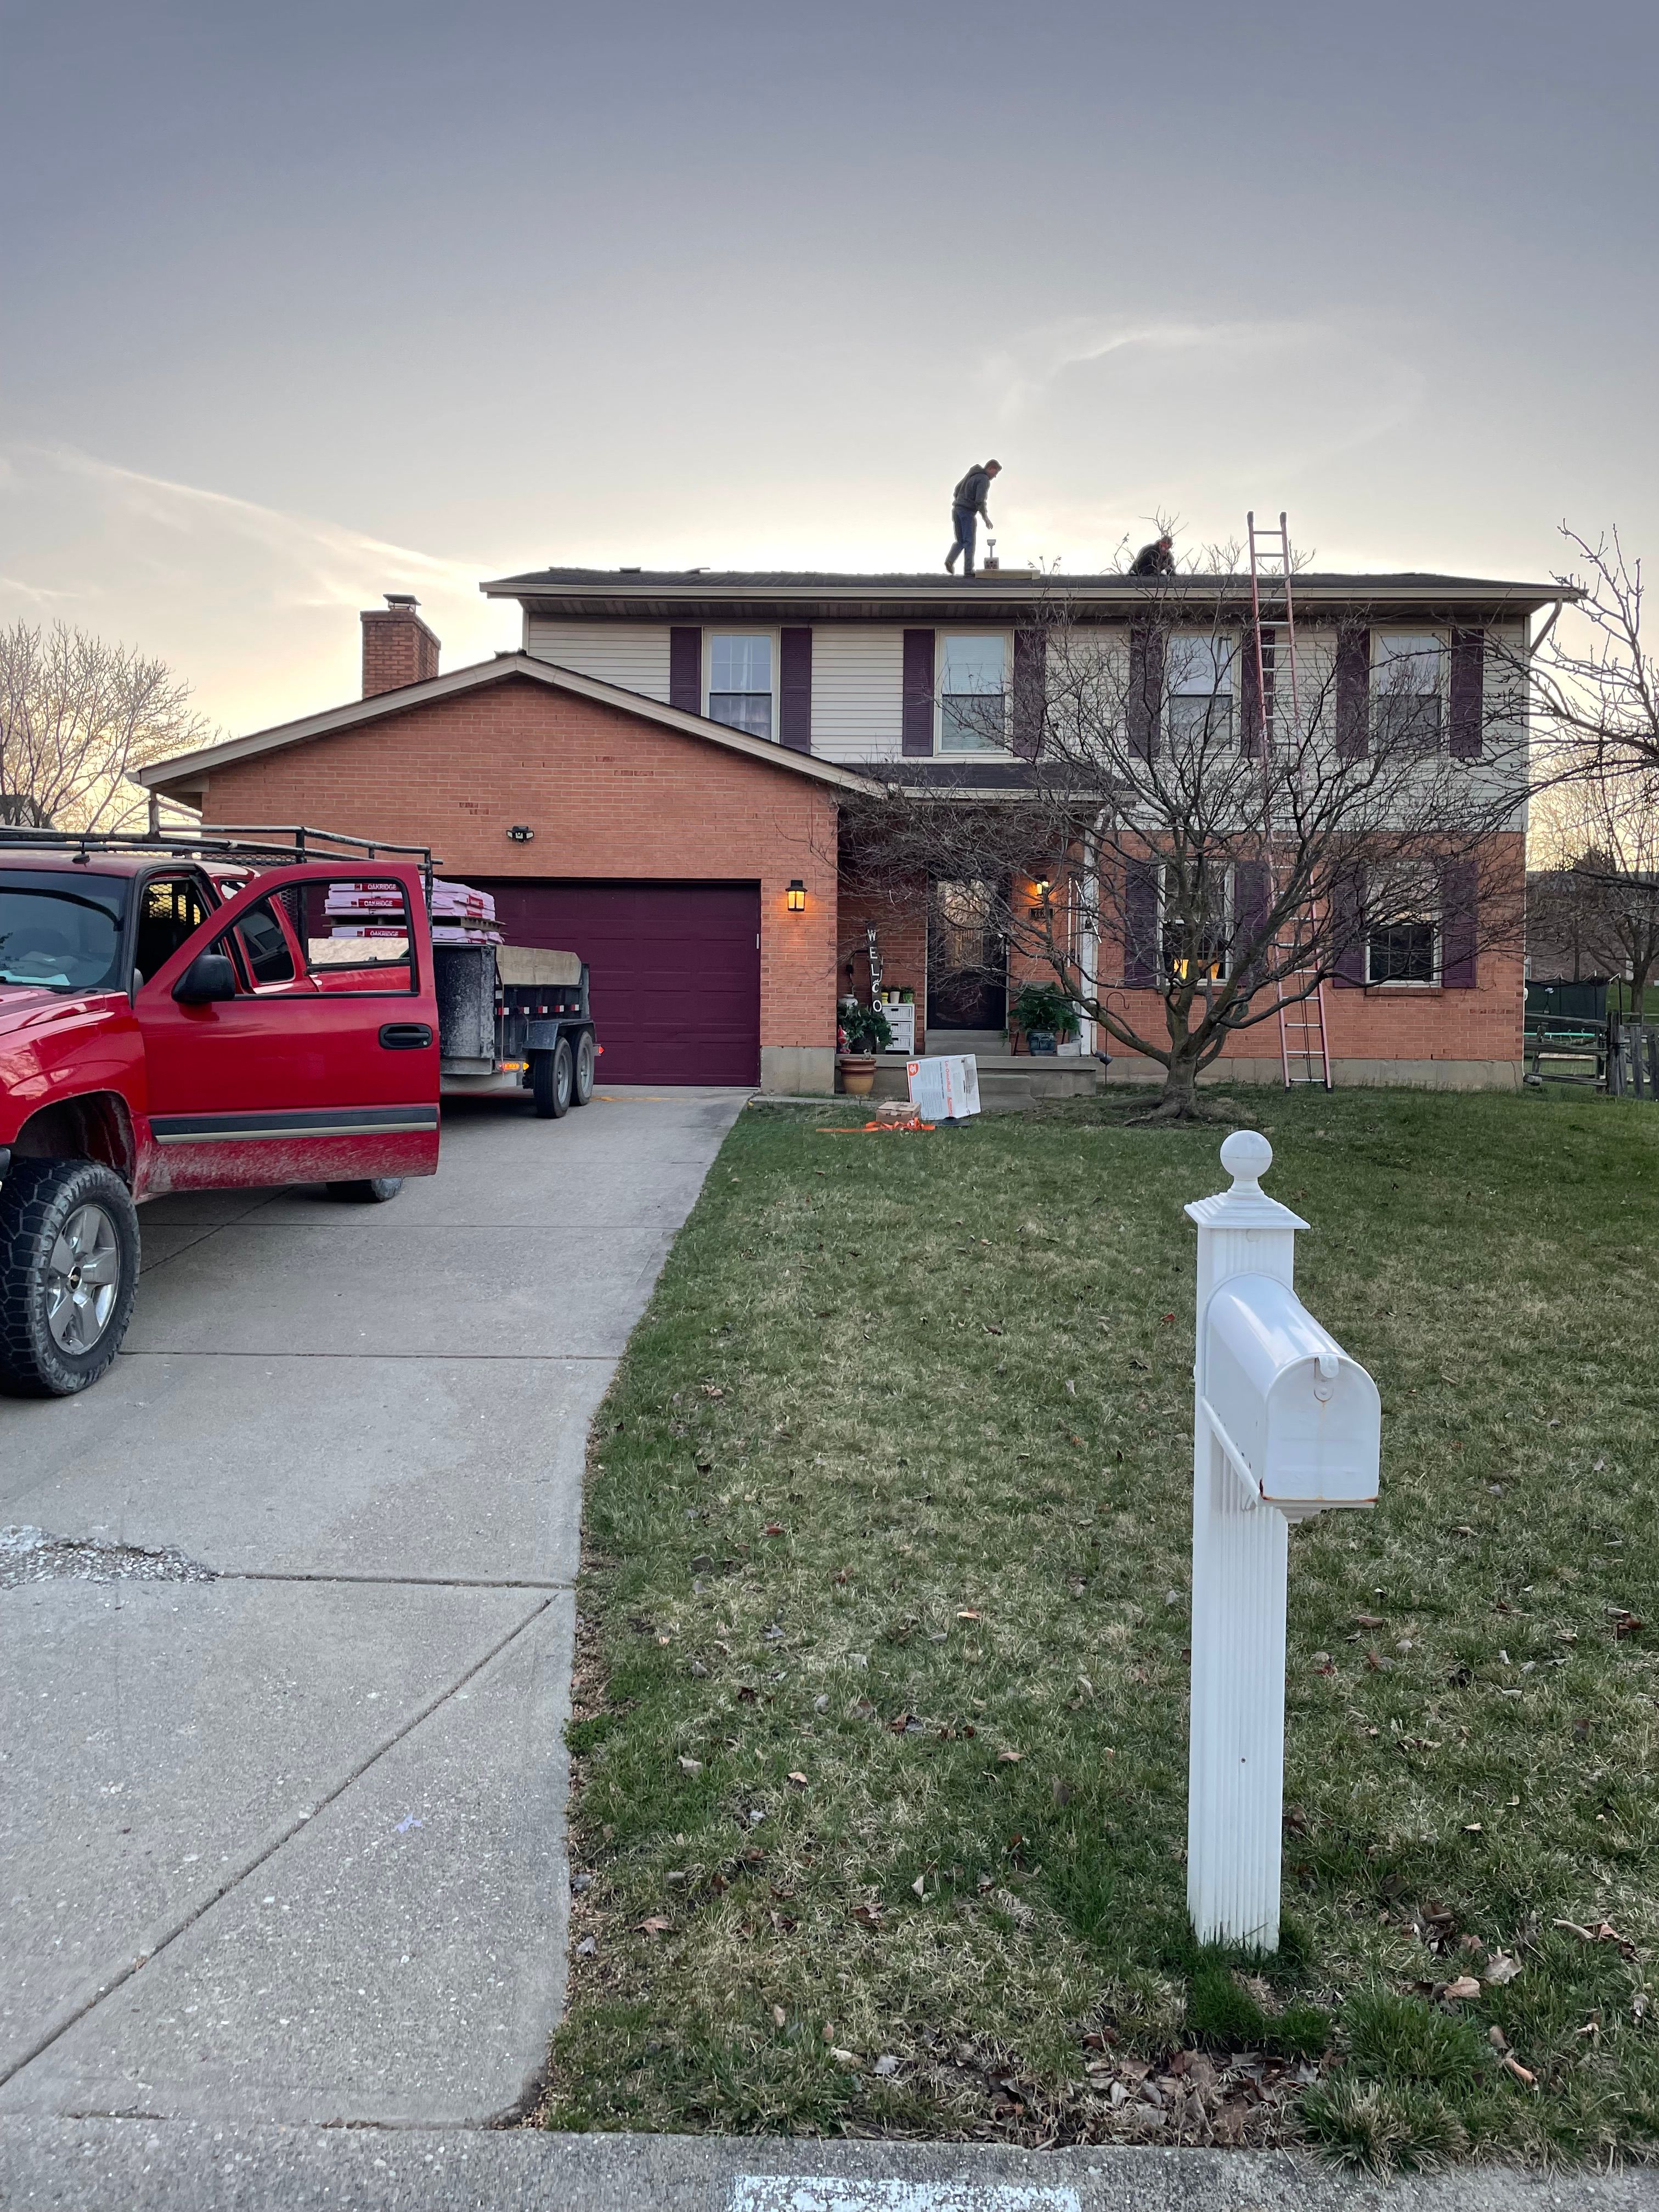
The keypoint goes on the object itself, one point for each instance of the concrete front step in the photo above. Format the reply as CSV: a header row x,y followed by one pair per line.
x,y
1008,1082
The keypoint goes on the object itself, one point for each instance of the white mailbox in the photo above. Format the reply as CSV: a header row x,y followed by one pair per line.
x,y
1285,1425
1300,1422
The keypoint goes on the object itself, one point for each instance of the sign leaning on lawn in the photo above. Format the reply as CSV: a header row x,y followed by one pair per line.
x,y
1285,1425
945,1088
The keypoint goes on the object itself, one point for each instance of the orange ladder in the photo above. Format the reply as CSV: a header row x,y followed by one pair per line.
x,y
1304,1050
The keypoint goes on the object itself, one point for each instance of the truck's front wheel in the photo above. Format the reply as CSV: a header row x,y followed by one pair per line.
x,y
68,1269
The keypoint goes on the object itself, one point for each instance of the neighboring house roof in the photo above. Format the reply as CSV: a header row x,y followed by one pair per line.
x,y
186,771
659,594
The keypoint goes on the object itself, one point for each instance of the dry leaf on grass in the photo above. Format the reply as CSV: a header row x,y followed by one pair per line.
x,y
655,1926
798,1778
1464,1987
691,1766
1500,1968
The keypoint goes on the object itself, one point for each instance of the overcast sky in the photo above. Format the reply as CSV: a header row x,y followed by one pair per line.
x,y
301,303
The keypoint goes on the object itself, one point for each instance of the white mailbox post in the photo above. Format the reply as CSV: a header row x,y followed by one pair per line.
x,y
1285,1425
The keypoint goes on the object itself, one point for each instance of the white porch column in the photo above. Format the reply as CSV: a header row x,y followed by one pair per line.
x,y
1236,1757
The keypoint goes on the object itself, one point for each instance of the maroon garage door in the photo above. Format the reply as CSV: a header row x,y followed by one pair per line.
x,y
675,970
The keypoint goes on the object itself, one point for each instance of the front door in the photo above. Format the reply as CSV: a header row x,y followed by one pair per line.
x,y
324,1068
966,960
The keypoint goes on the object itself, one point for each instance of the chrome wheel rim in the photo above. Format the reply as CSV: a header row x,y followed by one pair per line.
x,y
84,1277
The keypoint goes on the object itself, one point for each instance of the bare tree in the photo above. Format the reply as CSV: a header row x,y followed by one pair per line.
x,y
1599,901
1594,686
1197,834
77,716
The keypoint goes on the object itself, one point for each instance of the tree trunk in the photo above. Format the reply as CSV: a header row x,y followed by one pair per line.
x,y
1178,1100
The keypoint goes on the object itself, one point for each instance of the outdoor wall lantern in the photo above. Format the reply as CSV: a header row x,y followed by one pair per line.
x,y
796,897
522,832
1041,887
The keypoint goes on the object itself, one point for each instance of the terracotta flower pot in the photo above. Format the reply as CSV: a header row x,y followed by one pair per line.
x,y
858,1073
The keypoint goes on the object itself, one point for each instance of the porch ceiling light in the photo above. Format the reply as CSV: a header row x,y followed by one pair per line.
x,y
796,897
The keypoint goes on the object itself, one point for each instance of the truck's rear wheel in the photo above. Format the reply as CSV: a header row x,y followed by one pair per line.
x,y
369,1190
552,1079
69,1271
584,1057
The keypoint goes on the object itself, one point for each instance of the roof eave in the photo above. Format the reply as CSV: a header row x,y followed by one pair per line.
x,y
170,778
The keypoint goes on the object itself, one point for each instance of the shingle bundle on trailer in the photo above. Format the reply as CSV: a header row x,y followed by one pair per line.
x,y
460,915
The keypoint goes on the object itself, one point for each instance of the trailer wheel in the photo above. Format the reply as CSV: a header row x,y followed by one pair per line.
x,y
368,1190
69,1271
552,1079
585,1059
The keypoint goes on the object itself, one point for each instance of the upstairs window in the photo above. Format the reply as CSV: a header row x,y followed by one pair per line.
x,y
1407,676
1200,689
973,692
741,682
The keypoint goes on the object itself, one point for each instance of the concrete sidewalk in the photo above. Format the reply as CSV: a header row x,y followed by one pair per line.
x,y
282,1828
170,2166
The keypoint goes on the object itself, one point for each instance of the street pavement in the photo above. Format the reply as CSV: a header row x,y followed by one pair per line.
x,y
138,2166
285,1659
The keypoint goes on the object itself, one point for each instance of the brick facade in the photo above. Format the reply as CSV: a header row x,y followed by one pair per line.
x,y
609,796
397,649
901,924
1460,1039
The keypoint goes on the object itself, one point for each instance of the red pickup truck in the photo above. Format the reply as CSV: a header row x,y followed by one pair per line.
x,y
188,1016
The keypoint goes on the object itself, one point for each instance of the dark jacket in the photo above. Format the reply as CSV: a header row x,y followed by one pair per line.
x,y
1153,561
970,492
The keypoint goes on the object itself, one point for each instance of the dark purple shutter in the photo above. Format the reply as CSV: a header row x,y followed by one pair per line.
x,y
1353,692
1460,886
685,670
916,727
1252,887
1347,928
1140,961
1255,713
1468,686
795,690
1145,703
1031,662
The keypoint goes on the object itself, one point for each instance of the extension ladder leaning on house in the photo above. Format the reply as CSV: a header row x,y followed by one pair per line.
x,y
1304,1050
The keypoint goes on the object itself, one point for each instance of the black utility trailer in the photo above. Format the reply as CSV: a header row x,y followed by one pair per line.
x,y
510,1017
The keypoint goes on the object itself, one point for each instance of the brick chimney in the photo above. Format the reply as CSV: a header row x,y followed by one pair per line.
x,y
398,646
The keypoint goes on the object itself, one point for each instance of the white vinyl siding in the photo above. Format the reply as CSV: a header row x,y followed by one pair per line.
x,y
632,655
858,691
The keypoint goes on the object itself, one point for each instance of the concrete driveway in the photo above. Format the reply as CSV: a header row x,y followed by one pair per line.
x,y
282,1811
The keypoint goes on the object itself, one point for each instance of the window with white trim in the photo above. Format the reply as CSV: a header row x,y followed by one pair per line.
x,y
1199,945
740,681
973,692
1408,679
1199,688
1404,944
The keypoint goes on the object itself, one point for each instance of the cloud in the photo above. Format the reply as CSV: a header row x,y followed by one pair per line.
x,y
254,606
1116,421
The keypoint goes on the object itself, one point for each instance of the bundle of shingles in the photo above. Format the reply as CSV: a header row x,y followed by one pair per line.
x,y
460,915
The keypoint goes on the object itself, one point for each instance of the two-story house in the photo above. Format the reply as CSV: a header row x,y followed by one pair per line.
x,y
655,778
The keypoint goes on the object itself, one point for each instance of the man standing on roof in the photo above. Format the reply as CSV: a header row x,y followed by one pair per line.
x,y
1154,559
968,505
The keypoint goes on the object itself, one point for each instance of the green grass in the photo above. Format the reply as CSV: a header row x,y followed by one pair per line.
x,y
891,1497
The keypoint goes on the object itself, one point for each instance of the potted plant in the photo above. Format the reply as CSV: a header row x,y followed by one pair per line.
x,y
864,1033
1046,1015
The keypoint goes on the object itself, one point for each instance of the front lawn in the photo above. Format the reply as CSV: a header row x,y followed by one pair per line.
x,y
880,1745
